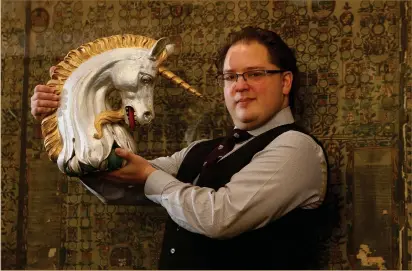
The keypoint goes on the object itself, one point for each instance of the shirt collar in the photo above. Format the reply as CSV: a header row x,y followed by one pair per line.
x,y
283,117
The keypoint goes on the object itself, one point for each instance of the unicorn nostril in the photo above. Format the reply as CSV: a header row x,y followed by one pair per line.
x,y
147,116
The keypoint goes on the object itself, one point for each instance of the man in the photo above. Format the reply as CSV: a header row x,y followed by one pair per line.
x,y
256,206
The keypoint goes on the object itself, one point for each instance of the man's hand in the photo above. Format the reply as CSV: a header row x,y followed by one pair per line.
x,y
44,100
136,171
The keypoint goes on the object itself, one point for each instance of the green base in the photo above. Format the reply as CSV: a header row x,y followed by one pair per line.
x,y
113,161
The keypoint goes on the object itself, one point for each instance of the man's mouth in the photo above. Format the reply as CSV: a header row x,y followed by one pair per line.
x,y
244,101
131,117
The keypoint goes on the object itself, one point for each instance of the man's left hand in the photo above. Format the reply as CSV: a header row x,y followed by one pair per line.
x,y
136,171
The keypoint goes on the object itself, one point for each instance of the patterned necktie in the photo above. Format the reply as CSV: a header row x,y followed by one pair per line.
x,y
236,136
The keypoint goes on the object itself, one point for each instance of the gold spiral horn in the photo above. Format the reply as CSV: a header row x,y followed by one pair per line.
x,y
178,81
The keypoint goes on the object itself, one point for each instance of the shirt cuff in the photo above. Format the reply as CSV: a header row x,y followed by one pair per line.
x,y
156,183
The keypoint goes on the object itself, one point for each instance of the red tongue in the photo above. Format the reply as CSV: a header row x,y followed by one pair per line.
x,y
131,118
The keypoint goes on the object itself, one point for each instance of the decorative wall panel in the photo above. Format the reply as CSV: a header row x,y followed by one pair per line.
x,y
355,96
12,52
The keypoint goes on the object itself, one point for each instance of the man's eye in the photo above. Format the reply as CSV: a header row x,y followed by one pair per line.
x,y
146,79
229,77
256,74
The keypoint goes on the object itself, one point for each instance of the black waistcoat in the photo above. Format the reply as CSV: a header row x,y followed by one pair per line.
x,y
293,241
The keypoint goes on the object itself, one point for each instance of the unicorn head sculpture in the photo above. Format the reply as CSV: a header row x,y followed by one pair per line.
x,y
82,133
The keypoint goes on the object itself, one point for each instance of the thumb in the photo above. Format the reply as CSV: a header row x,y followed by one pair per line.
x,y
123,153
51,70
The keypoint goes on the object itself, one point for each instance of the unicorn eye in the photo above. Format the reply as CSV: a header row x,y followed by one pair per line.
x,y
146,79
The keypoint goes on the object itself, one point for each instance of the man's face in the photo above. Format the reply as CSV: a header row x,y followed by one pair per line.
x,y
252,104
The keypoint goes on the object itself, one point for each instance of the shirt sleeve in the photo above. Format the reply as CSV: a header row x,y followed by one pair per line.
x,y
171,164
289,173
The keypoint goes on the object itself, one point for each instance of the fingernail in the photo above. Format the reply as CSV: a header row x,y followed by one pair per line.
x,y
119,151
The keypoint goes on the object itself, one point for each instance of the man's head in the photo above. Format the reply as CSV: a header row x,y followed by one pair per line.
x,y
271,76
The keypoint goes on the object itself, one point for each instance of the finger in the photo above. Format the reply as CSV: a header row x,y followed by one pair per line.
x,y
44,103
45,96
39,111
43,88
38,117
123,153
51,70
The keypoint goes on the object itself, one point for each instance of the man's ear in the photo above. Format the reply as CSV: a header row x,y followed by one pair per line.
x,y
287,79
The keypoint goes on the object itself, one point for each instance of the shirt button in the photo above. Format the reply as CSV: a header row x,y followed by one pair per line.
x,y
220,147
172,251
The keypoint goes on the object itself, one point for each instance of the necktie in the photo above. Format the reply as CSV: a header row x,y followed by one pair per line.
x,y
236,136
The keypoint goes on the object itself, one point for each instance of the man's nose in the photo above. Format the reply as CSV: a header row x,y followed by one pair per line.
x,y
241,83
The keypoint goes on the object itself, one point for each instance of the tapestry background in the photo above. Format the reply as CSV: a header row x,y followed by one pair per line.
x,y
355,63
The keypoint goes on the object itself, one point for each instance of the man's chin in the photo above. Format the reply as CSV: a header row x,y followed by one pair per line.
x,y
245,116
245,123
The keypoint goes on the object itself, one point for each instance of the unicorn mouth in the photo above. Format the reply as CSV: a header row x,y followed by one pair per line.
x,y
131,117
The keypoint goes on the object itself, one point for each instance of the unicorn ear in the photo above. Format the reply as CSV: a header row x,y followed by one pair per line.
x,y
170,48
158,48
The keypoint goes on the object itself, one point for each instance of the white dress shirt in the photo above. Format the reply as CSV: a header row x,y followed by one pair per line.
x,y
290,172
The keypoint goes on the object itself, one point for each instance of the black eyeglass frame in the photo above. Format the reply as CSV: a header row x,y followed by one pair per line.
x,y
221,81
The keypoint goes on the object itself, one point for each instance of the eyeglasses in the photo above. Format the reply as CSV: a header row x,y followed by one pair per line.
x,y
254,76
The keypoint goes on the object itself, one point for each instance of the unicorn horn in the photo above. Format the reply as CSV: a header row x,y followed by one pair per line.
x,y
178,81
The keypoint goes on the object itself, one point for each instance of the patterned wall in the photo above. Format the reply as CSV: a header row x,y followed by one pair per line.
x,y
355,96
12,52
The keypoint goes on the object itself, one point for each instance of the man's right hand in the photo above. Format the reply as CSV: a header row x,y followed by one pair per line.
x,y
44,100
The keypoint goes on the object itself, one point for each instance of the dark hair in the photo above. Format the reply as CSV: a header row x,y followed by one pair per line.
x,y
280,54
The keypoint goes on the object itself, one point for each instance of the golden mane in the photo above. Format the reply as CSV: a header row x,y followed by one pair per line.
x,y
73,59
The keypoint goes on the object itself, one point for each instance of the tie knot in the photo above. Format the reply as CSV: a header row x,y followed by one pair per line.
x,y
240,135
